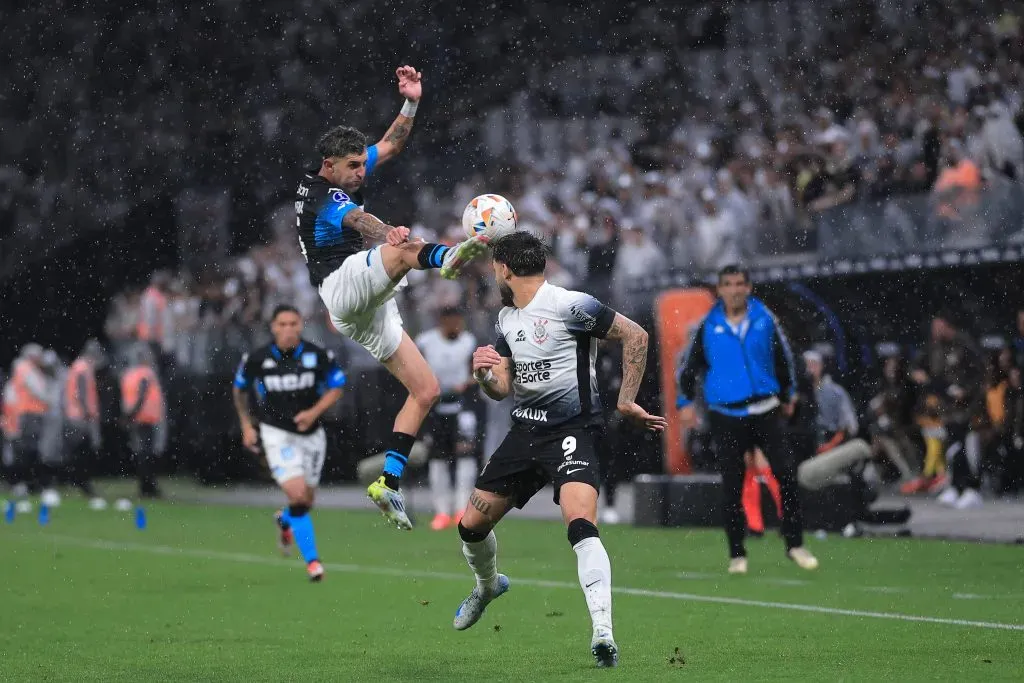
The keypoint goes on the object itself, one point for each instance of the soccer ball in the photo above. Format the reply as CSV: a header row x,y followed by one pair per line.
x,y
491,215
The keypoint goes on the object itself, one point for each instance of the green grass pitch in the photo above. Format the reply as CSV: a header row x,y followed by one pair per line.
x,y
202,595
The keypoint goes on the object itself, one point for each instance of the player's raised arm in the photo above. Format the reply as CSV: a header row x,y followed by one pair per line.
x,y
634,362
410,86
492,373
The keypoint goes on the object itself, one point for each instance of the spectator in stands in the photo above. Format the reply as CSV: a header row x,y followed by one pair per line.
x,y
717,234
892,413
636,257
951,368
1010,475
1001,144
958,186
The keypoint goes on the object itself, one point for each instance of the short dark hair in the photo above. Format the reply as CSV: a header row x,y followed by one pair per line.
x,y
341,141
733,269
284,308
523,252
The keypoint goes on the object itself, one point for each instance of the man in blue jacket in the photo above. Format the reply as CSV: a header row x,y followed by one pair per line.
x,y
749,382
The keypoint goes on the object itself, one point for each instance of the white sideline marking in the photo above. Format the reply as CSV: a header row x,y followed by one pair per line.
x,y
786,582
464,577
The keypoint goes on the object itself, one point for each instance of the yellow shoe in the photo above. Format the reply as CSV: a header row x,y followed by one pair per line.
x,y
390,502
461,254
803,558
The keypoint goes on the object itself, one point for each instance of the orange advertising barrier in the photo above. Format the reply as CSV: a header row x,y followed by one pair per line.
x,y
678,312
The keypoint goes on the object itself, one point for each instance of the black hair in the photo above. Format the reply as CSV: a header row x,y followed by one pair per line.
x,y
341,141
449,311
733,269
284,308
523,252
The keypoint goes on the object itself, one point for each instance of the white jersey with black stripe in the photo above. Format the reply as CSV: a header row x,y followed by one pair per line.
x,y
552,344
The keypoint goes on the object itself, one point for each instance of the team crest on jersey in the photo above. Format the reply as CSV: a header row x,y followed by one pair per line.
x,y
269,364
309,360
339,196
540,331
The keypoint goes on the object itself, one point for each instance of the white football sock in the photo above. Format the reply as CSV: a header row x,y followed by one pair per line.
x,y
465,479
483,560
440,486
595,572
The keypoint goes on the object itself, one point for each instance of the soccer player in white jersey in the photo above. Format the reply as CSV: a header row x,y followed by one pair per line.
x,y
452,425
544,356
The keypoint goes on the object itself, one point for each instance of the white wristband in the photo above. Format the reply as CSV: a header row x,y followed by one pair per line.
x,y
486,379
409,109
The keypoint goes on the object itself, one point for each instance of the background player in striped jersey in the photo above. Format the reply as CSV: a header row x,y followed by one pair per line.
x,y
358,285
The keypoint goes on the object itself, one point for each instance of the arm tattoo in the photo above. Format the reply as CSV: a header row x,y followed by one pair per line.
x,y
366,223
242,406
481,505
634,356
398,134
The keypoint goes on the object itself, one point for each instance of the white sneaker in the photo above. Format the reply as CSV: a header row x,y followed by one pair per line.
x,y
803,558
461,254
50,498
610,516
123,505
969,499
23,507
97,503
602,646
949,497
738,565
472,608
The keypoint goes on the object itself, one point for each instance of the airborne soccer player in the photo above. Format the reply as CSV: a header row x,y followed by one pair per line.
x,y
295,381
358,285
544,356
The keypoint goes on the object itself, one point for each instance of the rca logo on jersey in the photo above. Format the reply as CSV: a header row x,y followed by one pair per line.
x,y
290,382
532,414
533,371
540,331
589,321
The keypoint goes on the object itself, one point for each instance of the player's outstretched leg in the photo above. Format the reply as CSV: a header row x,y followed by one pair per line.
x,y
480,547
399,260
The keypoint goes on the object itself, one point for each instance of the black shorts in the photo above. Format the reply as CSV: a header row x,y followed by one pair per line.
x,y
446,437
530,458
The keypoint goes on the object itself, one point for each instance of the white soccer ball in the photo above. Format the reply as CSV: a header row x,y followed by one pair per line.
x,y
491,215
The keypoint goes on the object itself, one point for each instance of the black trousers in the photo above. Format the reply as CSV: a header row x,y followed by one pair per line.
x,y
963,472
732,438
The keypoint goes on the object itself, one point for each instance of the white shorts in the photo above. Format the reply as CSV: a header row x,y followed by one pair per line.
x,y
292,455
360,298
